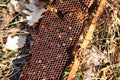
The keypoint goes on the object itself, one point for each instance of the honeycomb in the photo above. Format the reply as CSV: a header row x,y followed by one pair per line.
x,y
53,44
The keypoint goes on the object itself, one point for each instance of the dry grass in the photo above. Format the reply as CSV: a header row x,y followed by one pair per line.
x,y
106,39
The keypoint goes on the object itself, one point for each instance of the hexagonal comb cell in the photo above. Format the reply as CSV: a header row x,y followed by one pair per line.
x,y
53,44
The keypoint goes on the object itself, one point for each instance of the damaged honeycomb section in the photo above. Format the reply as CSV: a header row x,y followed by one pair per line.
x,y
72,5
52,46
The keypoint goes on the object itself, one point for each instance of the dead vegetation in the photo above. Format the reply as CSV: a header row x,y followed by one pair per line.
x,y
102,56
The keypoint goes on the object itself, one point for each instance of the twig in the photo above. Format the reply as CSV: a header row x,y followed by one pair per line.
x,y
88,38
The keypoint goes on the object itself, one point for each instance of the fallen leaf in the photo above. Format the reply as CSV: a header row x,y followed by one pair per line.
x,y
14,43
34,16
33,12
93,58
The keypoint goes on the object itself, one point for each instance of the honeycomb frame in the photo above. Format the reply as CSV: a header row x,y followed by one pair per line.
x,y
53,44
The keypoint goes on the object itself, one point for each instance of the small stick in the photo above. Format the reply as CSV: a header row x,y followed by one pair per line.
x,y
86,41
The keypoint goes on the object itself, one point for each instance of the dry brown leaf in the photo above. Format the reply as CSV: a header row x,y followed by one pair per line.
x,y
33,12
14,43
93,58
34,16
